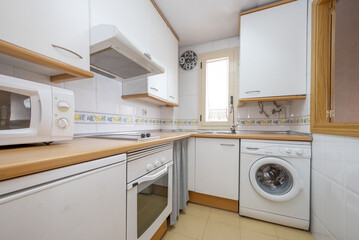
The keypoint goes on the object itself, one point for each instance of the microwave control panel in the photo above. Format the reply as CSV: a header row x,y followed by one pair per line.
x,y
63,114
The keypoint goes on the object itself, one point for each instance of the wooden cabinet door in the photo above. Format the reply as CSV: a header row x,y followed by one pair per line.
x,y
217,167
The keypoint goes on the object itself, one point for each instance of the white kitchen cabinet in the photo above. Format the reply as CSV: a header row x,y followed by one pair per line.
x,y
56,29
129,16
85,201
217,167
273,51
172,68
163,48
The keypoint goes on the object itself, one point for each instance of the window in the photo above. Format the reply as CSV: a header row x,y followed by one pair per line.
x,y
335,59
217,86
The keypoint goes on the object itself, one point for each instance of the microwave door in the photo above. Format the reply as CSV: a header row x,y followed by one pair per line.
x,y
25,109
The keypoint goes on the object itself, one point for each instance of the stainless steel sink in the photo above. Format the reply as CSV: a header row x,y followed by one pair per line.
x,y
215,131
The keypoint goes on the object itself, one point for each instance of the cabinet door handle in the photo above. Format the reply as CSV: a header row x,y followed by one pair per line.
x,y
226,144
153,88
254,91
172,97
148,55
68,50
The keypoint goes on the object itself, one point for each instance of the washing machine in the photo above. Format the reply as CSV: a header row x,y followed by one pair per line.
x,y
275,181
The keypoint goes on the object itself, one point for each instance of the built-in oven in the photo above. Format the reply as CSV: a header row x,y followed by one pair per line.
x,y
149,190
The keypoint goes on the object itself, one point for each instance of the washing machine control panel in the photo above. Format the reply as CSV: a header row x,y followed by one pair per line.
x,y
295,151
280,150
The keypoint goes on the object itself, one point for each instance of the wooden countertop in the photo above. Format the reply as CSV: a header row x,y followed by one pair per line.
x,y
22,160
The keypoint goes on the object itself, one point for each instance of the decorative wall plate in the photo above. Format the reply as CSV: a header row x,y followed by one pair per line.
x,y
188,60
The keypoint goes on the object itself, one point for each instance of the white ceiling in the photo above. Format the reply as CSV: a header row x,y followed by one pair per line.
x,y
199,21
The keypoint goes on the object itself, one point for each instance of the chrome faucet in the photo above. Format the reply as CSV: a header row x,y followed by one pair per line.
x,y
231,110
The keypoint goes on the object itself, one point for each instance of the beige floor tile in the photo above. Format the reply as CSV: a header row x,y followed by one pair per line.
x,y
175,236
221,231
258,226
226,217
250,235
287,233
197,210
190,226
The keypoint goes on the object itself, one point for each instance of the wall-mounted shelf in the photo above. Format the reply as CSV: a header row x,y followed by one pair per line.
x,y
147,97
241,101
64,72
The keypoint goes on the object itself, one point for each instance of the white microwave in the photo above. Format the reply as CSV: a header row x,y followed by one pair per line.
x,y
32,112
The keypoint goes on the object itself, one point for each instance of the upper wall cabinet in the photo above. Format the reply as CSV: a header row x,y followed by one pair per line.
x,y
273,50
162,46
55,29
129,16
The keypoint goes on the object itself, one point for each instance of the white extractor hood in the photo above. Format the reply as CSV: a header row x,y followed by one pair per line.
x,y
113,55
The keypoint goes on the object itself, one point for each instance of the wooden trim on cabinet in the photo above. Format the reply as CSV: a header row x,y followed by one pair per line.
x,y
275,4
213,201
269,99
160,232
71,72
321,75
165,20
153,97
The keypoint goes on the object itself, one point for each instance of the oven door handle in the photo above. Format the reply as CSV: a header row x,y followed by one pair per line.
x,y
147,178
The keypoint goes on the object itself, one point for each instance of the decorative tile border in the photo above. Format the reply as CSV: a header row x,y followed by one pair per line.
x,y
180,122
82,117
274,122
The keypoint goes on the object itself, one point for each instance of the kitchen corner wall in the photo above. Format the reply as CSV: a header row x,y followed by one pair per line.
x,y
295,114
98,104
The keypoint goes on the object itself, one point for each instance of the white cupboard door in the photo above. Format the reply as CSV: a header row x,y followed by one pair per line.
x,y
157,85
172,68
129,16
88,206
273,51
57,29
217,167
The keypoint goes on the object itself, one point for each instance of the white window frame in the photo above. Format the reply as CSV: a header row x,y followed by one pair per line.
x,y
232,54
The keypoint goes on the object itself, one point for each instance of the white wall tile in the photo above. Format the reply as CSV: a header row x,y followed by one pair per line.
x,y
234,42
81,128
220,45
106,94
101,128
352,164
32,76
334,209
318,186
85,94
189,107
333,158
352,215
188,83
317,228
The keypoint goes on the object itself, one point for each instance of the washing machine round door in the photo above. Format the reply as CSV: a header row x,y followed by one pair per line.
x,y
275,179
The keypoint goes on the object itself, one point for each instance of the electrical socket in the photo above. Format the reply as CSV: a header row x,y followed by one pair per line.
x,y
144,112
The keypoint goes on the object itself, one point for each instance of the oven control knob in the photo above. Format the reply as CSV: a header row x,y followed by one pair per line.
x,y
157,163
299,151
163,160
288,150
149,167
62,123
63,106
